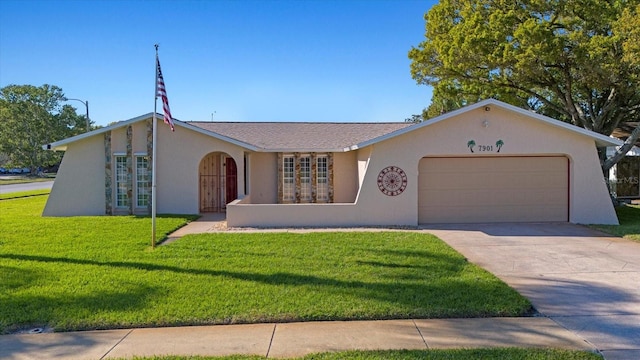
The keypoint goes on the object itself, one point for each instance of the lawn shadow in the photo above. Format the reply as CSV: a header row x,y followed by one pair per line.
x,y
50,309
414,297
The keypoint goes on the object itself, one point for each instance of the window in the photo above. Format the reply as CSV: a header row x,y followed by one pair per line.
x,y
288,179
121,181
322,179
143,193
305,178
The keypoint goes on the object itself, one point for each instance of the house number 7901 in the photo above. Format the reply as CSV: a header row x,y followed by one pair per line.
x,y
473,147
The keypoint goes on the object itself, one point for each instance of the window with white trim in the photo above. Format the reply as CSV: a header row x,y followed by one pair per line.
x,y
288,178
143,191
122,200
322,178
305,178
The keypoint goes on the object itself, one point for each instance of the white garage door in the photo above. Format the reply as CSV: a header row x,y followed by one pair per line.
x,y
493,189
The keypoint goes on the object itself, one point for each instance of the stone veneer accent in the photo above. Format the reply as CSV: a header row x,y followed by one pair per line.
x,y
130,199
280,176
108,175
296,166
330,176
314,183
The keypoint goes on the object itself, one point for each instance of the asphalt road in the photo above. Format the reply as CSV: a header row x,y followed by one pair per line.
x,y
5,189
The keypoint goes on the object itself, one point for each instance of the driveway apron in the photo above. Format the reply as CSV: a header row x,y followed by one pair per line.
x,y
586,281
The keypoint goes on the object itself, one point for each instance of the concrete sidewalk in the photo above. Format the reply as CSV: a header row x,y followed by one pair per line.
x,y
293,339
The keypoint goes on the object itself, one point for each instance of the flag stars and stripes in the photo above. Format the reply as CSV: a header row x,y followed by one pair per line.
x,y
162,93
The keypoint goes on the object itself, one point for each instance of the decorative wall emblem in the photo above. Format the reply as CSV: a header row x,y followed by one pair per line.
x,y
392,181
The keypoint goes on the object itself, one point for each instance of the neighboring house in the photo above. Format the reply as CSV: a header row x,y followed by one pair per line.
x,y
487,162
624,177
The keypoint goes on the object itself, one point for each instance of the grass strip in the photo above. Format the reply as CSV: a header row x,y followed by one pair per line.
x,y
629,228
453,354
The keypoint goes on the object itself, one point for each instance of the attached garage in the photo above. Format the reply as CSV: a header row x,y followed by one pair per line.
x,y
493,189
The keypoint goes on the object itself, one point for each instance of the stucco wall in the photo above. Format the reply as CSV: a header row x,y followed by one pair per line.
x,y
263,178
79,185
177,176
345,177
521,136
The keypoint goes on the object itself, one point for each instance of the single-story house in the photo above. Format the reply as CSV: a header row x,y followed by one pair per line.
x,y
487,162
624,177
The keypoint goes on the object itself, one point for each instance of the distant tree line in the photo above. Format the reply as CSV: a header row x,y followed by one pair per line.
x,y
30,117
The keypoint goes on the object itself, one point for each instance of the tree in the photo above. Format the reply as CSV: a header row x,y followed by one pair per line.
x,y
30,117
573,60
415,118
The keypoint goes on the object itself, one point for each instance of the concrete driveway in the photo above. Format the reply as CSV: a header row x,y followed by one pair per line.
x,y
586,281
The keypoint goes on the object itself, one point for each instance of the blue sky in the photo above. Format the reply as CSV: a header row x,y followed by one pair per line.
x,y
242,60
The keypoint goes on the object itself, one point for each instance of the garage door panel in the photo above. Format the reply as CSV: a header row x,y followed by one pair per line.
x,y
486,198
522,180
493,189
482,214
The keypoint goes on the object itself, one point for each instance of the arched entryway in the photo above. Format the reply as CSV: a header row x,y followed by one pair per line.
x,y
218,182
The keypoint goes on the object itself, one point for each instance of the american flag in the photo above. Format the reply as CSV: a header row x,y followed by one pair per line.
x,y
162,92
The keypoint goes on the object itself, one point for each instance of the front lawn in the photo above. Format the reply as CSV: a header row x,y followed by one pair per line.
x,y
629,228
80,273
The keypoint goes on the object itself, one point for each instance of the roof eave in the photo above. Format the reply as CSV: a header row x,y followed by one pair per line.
x,y
221,137
62,144
304,150
600,140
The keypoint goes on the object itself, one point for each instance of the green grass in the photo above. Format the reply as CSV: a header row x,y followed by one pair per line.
x,y
20,194
629,228
80,273
457,354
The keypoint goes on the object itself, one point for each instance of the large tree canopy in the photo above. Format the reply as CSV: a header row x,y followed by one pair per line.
x,y
574,60
31,116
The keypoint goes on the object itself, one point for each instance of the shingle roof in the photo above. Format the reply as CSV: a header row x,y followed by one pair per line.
x,y
301,136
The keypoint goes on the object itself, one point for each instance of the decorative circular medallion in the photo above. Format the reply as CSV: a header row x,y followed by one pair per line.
x,y
392,181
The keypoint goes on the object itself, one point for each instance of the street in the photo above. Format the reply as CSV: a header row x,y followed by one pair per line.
x,y
5,189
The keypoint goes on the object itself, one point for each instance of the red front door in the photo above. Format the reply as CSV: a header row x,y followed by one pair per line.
x,y
231,180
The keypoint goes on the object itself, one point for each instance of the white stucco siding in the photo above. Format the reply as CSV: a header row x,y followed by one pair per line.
x,y
139,145
263,178
363,162
345,177
179,155
79,185
522,136
515,134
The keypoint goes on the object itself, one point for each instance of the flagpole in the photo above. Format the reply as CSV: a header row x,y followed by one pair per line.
x,y
153,157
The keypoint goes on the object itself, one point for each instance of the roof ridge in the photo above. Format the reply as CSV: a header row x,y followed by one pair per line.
x,y
302,122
